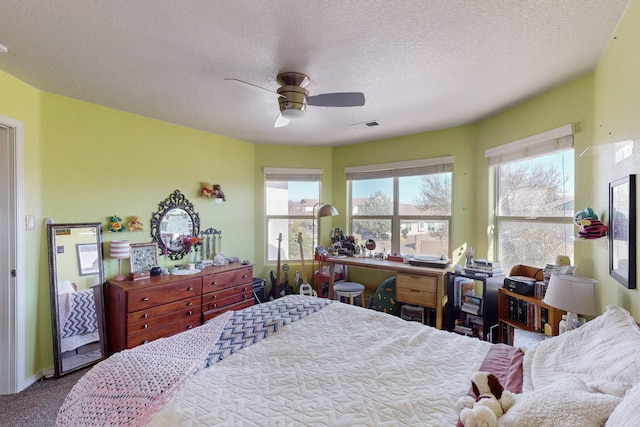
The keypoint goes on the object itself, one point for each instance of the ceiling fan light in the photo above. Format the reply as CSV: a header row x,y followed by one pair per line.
x,y
292,113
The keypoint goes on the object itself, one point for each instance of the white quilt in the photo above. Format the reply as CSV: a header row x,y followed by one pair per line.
x,y
340,366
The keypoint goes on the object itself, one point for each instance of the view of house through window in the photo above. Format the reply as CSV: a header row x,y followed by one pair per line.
x,y
534,209
290,195
405,210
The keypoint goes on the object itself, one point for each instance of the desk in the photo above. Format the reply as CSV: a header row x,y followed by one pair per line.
x,y
414,285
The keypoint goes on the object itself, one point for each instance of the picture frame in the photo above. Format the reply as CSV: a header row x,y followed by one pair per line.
x,y
143,256
87,258
622,231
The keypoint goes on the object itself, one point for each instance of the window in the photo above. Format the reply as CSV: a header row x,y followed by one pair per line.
x,y
534,202
290,195
404,207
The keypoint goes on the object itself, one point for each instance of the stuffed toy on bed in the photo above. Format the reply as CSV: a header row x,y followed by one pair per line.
x,y
490,403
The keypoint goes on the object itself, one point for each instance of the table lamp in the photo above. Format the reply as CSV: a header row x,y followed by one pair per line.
x,y
574,294
323,210
119,250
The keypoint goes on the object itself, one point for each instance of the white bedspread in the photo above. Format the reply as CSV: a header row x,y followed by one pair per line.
x,y
340,366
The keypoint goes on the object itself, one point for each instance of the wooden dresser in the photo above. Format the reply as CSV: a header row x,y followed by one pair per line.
x,y
144,310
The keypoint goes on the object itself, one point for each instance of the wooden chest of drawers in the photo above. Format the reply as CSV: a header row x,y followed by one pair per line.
x,y
161,306
416,290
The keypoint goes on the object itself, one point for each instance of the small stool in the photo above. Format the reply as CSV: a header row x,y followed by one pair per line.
x,y
349,289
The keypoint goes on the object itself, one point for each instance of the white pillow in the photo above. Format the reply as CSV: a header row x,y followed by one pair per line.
x,y
565,403
627,413
603,351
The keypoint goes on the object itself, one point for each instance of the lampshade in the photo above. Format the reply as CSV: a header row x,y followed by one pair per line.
x,y
575,294
119,249
326,210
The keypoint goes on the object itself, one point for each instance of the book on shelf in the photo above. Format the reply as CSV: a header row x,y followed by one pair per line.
x,y
471,304
484,268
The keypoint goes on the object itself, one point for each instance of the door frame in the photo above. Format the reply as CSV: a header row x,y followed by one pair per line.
x,y
12,370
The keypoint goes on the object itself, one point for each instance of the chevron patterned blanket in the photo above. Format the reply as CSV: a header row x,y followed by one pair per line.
x,y
248,326
82,317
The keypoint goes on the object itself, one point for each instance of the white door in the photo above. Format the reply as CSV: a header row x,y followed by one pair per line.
x,y
12,270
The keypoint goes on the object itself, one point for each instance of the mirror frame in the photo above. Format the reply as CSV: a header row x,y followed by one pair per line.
x,y
176,200
53,289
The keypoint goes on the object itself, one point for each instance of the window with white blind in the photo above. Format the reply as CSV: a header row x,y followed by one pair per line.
x,y
534,198
405,207
290,195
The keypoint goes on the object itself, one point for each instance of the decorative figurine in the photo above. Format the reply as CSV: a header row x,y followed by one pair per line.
x,y
115,224
590,226
218,193
207,190
135,224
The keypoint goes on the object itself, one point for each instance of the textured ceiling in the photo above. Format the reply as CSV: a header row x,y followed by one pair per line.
x,y
422,64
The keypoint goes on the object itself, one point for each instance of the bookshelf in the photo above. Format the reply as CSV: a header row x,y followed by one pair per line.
x,y
517,311
479,316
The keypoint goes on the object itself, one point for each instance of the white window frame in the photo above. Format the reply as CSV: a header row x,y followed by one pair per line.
x,y
396,170
287,174
542,144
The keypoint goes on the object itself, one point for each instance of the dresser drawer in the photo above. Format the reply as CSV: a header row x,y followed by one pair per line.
x,y
163,310
163,331
156,321
225,297
210,314
141,299
216,282
417,290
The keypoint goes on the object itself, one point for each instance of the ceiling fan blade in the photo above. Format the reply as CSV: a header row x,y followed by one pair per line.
x,y
251,85
338,99
281,121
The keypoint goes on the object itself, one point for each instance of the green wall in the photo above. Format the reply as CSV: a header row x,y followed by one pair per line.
x,y
85,162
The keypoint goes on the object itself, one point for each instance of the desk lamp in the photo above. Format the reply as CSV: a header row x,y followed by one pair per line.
x,y
119,250
574,294
323,210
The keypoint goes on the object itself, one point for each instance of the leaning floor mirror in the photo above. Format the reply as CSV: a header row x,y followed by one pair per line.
x,y
76,274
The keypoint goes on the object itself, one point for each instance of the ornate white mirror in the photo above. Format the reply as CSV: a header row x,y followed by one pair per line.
x,y
174,224
76,273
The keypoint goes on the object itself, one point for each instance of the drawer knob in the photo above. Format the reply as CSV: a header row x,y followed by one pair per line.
x,y
145,299
145,326
145,341
244,289
189,313
190,289
189,303
214,283
190,326
244,276
214,305
145,316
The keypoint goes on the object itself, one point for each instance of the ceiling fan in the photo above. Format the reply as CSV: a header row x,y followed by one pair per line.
x,y
293,98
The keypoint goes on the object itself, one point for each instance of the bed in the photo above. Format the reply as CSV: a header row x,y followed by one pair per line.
x,y
309,361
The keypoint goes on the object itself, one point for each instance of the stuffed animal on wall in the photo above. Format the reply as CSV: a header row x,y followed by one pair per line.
x,y
218,193
490,403
115,224
207,190
135,224
590,226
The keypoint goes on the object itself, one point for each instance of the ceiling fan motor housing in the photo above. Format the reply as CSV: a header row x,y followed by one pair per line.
x,y
293,101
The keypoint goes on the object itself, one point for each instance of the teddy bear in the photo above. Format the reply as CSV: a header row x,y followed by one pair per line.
x,y
490,403
135,224
207,190
218,193
115,224
590,226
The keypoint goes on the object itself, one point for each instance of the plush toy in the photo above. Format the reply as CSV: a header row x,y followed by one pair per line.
x,y
115,224
491,401
590,226
207,190
135,224
218,193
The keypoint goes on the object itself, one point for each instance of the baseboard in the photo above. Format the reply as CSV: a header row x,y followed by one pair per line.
x,y
44,373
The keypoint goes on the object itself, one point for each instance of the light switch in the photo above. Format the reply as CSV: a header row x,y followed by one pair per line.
x,y
30,223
